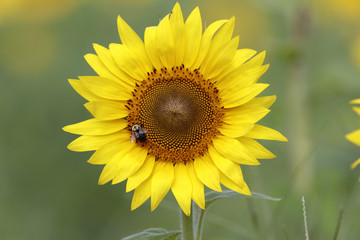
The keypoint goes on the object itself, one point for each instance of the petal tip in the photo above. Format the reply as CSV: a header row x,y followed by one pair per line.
x,y
153,206
283,138
355,101
176,6
128,188
265,85
119,20
101,182
88,56
272,156
133,207
67,128
186,211
97,47
70,147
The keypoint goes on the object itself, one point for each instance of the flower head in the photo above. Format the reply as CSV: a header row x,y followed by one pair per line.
x,y
177,111
354,136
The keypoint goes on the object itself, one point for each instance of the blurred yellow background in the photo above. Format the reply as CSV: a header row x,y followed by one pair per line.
x,y
48,192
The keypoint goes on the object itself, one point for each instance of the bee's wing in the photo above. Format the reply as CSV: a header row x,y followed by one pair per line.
x,y
144,130
132,138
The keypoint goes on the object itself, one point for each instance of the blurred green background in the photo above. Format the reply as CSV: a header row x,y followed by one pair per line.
x,y
48,192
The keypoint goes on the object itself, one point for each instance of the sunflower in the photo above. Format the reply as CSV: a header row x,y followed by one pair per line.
x,y
354,136
177,111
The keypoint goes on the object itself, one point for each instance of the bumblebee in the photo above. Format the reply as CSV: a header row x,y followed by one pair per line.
x,y
138,133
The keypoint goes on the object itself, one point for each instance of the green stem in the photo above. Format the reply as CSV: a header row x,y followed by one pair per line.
x,y
186,226
200,225
338,224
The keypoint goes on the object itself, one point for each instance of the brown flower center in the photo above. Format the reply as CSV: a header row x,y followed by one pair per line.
x,y
180,111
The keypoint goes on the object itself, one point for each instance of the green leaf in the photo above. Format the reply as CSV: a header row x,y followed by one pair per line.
x,y
154,234
214,196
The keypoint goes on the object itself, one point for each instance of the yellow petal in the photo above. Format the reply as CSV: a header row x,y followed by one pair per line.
x,y
241,56
354,137
357,110
354,164
227,167
178,32
98,66
207,172
128,62
141,194
107,88
115,149
108,60
264,102
108,172
206,41
235,130
96,127
251,68
91,143
150,46
112,170
162,180
130,163
243,76
232,149
197,186
165,43
224,34
355,101
221,52
130,39
262,132
256,148
219,57
127,35
107,110
79,87
193,33
141,175
257,60
244,114
182,187
231,185
232,98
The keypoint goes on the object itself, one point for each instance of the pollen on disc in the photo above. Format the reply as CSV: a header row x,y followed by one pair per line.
x,y
180,110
